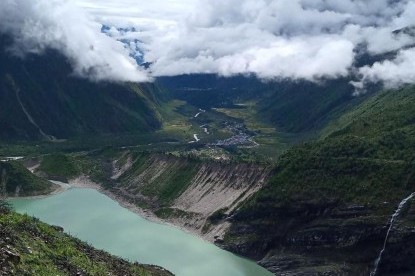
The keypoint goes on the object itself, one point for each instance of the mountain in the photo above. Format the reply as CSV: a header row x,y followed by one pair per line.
x,y
323,209
41,99
327,208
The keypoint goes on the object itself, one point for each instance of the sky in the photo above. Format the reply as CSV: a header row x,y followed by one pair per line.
x,y
272,39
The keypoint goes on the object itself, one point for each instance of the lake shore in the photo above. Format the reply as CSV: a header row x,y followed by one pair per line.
x,y
85,182
92,217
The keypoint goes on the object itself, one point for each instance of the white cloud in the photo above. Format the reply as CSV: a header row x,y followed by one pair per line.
x,y
58,24
298,39
305,58
400,70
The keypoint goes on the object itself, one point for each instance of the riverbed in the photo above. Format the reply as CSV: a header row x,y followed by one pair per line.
x,y
97,219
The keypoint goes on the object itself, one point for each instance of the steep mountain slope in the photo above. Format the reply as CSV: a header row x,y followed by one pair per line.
x,y
30,247
303,106
326,210
40,99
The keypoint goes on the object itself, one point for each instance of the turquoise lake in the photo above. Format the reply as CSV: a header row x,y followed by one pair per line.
x,y
102,222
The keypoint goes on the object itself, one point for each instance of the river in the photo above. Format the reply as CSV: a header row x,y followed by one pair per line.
x,y
102,222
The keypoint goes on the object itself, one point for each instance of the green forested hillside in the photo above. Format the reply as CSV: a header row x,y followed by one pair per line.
x,y
329,200
40,98
369,159
305,106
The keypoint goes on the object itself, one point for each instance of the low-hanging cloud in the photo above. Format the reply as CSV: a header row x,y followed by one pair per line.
x,y
297,39
58,24
272,39
392,73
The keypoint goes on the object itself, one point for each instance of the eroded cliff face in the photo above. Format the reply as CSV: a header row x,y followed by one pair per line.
x,y
216,186
325,238
190,193
308,238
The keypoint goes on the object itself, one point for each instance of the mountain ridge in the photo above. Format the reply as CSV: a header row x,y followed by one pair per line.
x,y
41,99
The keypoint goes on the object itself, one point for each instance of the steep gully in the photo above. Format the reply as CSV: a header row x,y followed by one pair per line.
x,y
29,117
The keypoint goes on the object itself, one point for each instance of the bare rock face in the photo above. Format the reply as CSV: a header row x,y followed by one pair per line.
x,y
217,186
324,239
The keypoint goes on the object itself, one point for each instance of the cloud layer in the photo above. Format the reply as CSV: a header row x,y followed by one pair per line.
x,y
40,24
297,39
273,39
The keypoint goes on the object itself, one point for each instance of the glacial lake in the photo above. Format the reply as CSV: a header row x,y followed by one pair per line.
x,y
102,222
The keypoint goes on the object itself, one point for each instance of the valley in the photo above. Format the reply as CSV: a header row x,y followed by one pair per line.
x,y
263,209
310,209
301,177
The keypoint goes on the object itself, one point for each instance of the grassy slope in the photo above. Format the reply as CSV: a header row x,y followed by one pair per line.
x,y
30,247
